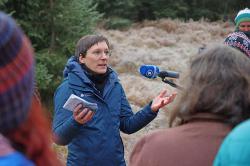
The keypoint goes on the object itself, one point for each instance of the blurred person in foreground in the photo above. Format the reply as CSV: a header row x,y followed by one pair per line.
x,y
242,21
235,149
93,138
24,131
216,99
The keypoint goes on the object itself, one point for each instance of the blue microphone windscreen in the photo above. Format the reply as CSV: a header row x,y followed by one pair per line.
x,y
149,71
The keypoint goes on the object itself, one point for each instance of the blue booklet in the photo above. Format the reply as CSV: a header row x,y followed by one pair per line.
x,y
74,100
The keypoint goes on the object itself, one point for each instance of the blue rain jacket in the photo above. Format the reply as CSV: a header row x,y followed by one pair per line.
x,y
98,142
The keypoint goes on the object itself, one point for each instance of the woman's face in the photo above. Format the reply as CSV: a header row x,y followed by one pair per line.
x,y
244,26
96,58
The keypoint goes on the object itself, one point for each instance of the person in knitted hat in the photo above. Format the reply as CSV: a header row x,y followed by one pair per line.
x,y
24,131
242,21
240,41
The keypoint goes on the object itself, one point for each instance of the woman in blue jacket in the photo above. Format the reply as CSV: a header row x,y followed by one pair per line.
x,y
93,137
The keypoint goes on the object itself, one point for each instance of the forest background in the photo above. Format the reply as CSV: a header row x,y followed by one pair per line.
x,y
54,26
166,33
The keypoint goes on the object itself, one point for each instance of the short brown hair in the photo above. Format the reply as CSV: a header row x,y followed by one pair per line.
x,y
88,41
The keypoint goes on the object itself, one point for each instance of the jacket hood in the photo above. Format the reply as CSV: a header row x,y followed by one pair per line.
x,y
72,65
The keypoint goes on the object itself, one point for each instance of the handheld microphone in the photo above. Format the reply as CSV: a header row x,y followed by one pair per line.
x,y
152,71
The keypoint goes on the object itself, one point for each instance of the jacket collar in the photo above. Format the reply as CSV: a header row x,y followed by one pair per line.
x,y
202,117
76,75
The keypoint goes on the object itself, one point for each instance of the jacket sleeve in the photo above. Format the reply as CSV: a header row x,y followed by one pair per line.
x,y
64,127
130,122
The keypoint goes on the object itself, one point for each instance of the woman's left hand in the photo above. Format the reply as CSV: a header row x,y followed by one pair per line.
x,y
161,100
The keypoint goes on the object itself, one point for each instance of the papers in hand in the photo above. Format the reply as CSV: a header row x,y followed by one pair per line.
x,y
74,100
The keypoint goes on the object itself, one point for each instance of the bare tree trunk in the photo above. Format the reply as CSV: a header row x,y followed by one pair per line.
x,y
52,27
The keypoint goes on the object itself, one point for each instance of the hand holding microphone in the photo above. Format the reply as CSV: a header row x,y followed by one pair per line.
x,y
152,71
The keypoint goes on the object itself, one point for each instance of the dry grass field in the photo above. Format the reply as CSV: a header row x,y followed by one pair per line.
x,y
169,44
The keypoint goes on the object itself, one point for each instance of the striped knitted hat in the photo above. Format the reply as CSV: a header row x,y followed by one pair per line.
x,y
242,16
240,41
16,74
